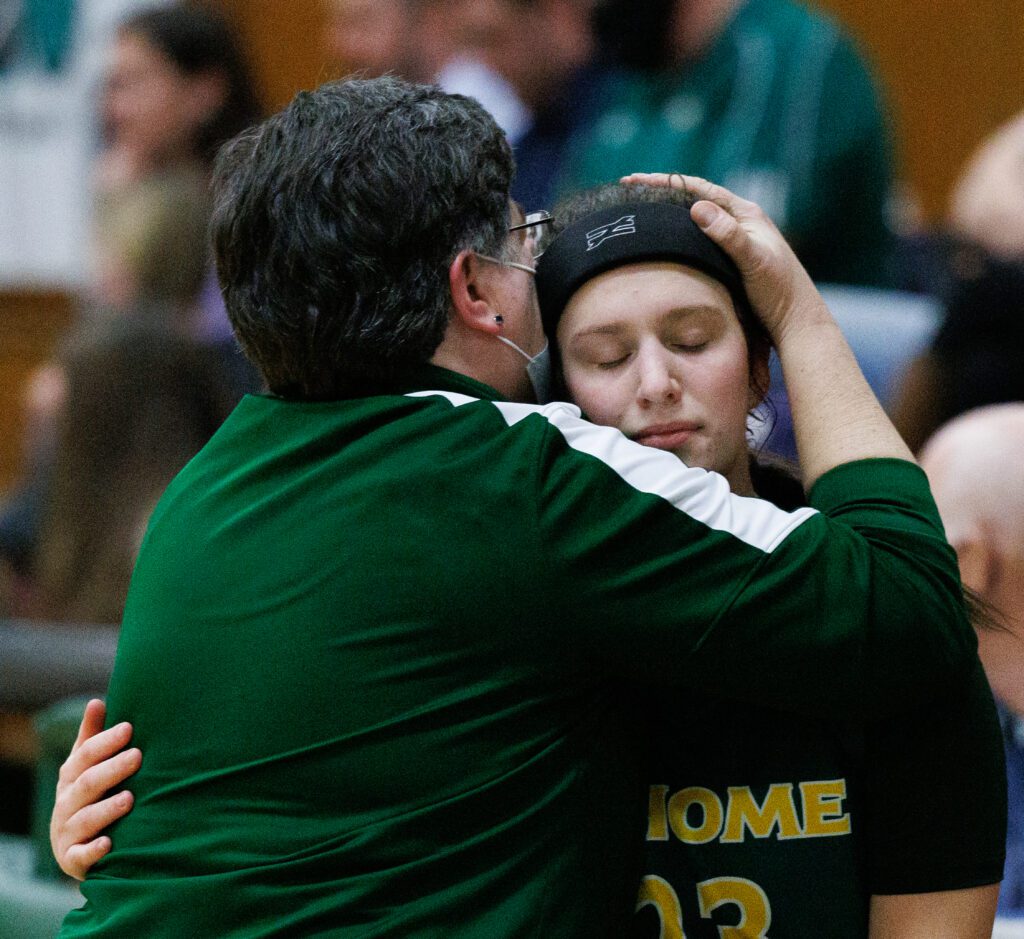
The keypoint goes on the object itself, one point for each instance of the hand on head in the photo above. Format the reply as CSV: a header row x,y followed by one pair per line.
x,y
780,290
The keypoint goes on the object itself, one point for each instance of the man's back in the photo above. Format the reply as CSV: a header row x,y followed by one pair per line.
x,y
409,748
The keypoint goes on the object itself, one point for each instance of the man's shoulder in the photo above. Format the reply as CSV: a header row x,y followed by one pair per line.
x,y
509,412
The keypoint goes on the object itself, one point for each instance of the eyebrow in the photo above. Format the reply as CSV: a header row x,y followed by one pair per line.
x,y
620,325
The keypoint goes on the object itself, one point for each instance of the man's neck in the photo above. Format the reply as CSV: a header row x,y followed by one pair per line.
x,y
509,383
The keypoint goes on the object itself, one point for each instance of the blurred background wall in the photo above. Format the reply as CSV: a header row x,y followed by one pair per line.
x,y
951,73
952,70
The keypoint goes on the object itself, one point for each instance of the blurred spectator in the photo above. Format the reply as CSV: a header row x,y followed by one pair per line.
x,y
370,36
974,464
767,98
152,244
51,62
177,87
531,63
987,206
139,403
410,38
136,401
975,357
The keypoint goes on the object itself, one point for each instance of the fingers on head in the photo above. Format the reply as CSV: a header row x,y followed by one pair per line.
x,y
727,233
700,188
726,198
716,223
712,192
674,180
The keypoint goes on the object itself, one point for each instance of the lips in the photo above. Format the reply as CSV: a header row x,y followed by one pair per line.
x,y
667,436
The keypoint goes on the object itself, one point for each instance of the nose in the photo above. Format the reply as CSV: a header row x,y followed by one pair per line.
x,y
657,382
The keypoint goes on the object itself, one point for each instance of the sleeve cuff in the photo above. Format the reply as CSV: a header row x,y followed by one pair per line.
x,y
882,482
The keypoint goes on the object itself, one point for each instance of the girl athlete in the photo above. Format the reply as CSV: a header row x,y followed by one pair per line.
x,y
758,824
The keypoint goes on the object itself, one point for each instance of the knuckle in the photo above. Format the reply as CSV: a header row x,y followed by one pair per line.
x,y
88,785
65,774
73,866
727,229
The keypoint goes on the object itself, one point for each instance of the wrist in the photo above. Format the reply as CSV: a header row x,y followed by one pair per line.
x,y
803,318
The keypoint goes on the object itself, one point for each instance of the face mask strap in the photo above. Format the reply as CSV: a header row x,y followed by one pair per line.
x,y
525,355
538,369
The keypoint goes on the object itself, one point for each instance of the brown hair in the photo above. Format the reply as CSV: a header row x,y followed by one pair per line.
x,y
140,403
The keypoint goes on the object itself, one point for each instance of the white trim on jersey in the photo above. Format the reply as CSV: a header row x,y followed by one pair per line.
x,y
704,496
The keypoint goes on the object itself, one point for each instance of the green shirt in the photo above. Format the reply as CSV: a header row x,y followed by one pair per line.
x,y
784,825
781,110
377,655
755,818
787,825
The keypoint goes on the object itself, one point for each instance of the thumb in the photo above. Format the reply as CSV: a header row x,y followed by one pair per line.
x,y
725,232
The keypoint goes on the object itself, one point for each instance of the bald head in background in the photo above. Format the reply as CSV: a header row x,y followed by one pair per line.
x,y
976,467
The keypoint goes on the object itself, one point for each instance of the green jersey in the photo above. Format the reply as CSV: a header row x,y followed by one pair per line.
x,y
754,824
762,823
765,823
379,655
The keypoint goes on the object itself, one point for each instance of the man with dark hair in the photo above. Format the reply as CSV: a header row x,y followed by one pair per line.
x,y
379,639
387,219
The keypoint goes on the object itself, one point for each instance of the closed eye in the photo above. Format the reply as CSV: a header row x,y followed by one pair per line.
x,y
613,363
690,346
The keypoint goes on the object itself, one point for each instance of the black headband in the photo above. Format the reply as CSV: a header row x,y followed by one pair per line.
x,y
627,234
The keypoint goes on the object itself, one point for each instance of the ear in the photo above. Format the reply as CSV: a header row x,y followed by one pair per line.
x,y
469,281
980,567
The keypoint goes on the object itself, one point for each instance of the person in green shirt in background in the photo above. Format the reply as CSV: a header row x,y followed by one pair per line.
x,y
772,101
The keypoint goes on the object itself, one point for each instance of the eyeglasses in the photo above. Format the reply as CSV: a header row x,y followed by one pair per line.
x,y
536,227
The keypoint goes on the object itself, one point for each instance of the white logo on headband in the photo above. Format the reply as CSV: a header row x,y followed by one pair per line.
x,y
623,226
